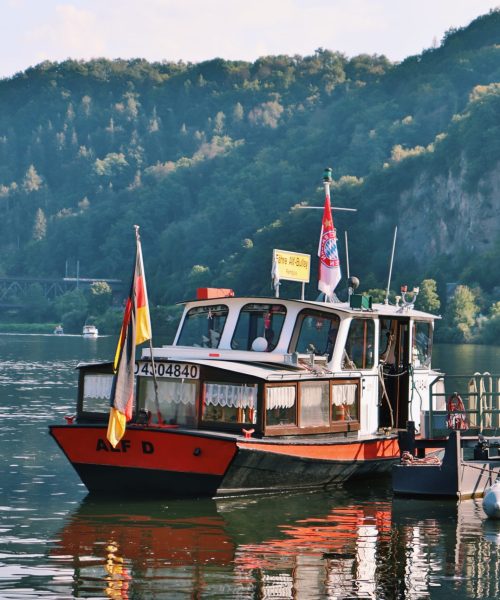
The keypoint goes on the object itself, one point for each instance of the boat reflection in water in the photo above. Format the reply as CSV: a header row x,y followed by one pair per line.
x,y
338,545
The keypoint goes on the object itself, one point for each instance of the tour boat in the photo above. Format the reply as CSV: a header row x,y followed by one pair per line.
x,y
259,395
90,331
255,394
59,330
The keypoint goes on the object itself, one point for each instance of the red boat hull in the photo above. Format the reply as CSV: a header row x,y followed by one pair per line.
x,y
146,461
172,462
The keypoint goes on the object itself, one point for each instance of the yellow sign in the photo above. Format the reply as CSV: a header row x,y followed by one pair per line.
x,y
291,266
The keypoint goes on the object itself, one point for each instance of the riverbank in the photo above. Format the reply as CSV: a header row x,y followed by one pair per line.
x,y
27,327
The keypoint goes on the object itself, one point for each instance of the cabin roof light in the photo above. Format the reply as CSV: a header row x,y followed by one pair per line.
x,y
211,293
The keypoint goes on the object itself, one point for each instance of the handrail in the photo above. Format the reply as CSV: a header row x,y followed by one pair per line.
x,y
480,393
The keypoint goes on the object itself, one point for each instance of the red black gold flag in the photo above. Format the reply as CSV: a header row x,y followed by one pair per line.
x,y
136,328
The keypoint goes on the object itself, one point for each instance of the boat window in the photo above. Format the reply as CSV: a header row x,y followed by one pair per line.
x,y
314,403
345,402
96,393
259,321
230,403
203,326
358,353
316,332
281,405
422,344
176,400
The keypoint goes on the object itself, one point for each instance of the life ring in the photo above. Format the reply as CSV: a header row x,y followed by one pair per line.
x,y
456,418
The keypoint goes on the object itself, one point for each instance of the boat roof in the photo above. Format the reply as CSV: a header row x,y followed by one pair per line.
x,y
379,309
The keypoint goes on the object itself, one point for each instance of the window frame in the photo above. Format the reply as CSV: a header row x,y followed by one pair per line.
x,y
333,426
343,425
297,330
430,342
289,428
365,321
225,425
197,308
275,340
141,381
92,369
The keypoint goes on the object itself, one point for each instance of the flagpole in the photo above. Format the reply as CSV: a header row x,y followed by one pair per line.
x,y
386,301
326,186
155,381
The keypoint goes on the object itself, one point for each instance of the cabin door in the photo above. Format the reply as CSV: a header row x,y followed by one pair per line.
x,y
394,358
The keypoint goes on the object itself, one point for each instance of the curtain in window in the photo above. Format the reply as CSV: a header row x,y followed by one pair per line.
x,y
234,396
169,391
97,386
344,394
314,409
280,397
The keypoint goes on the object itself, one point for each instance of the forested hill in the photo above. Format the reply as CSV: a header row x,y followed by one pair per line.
x,y
210,159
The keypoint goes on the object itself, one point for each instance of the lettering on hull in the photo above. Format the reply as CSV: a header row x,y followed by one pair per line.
x,y
123,446
162,450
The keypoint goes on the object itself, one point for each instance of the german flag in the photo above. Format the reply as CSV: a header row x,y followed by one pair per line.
x,y
136,329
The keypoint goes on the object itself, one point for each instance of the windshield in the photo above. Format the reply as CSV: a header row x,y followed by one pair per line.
x,y
315,332
203,326
258,321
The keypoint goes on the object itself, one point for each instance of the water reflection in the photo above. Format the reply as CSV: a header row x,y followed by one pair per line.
x,y
55,542
336,546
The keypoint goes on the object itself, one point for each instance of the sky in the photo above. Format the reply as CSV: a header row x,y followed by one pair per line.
x,y
32,31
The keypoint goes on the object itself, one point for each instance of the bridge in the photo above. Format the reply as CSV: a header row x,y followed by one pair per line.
x,y
14,288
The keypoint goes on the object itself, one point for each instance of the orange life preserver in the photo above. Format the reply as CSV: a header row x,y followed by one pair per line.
x,y
456,418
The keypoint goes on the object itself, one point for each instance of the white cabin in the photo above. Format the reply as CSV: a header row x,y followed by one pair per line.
x,y
376,362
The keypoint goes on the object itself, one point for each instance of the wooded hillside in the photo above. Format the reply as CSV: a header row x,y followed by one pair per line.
x,y
210,159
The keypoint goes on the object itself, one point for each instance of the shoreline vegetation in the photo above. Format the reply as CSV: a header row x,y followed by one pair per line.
x,y
469,317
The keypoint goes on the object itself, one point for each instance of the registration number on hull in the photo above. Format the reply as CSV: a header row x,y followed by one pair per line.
x,y
162,369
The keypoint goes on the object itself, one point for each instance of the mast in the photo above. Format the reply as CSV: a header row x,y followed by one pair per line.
x,y
386,301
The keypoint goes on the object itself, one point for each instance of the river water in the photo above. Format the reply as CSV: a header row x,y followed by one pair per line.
x,y
356,542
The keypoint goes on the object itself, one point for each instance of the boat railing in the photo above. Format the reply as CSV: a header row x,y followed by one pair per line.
x,y
467,402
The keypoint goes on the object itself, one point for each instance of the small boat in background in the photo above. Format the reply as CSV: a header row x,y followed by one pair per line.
x,y
90,331
59,330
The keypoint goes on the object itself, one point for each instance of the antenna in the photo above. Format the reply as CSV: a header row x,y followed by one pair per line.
x,y
386,301
322,207
347,254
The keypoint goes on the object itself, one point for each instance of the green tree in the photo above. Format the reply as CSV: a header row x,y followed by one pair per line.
x,y
32,182
36,306
40,226
377,294
71,301
99,297
489,327
73,321
461,315
238,113
219,122
428,299
109,322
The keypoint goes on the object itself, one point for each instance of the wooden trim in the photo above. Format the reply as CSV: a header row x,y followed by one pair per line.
x,y
271,430
280,429
351,425
296,430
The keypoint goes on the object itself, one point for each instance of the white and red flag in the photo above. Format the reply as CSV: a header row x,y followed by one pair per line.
x,y
329,263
